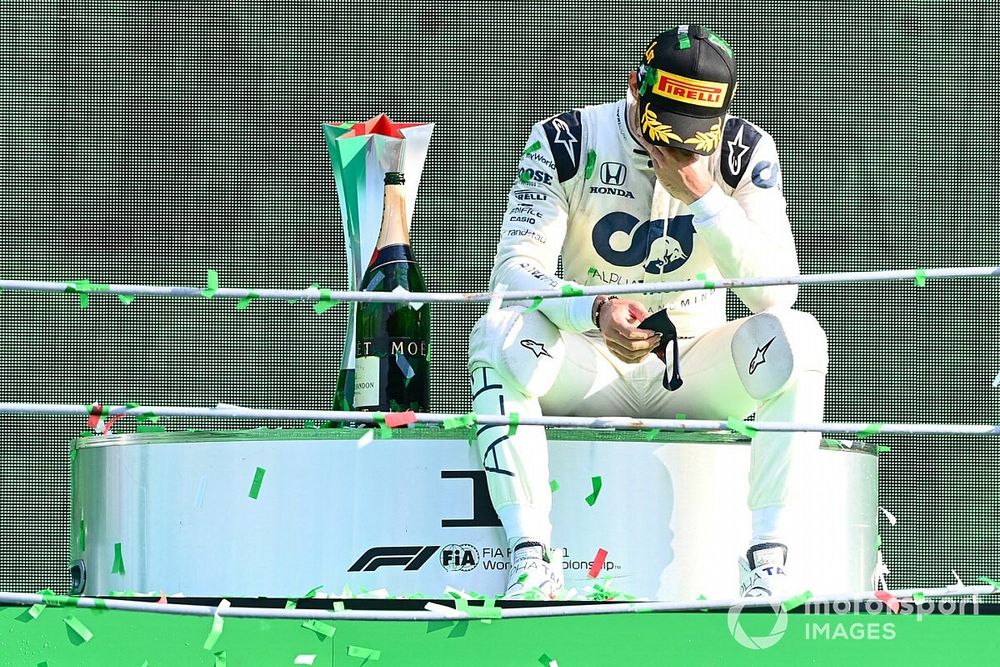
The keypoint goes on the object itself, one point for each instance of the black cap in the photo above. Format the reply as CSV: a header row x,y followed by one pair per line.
x,y
686,82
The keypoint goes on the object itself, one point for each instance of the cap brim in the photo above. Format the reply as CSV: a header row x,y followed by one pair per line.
x,y
663,127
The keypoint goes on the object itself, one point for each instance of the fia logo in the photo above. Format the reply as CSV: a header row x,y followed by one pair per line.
x,y
459,557
613,173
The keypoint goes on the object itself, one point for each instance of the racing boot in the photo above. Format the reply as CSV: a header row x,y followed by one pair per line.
x,y
536,573
762,572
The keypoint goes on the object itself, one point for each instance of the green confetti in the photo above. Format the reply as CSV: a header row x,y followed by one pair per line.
x,y
320,627
918,596
84,301
460,421
126,298
571,290
920,278
591,161
986,580
291,604
79,628
535,303
212,285
524,176
683,41
883,448
35,610
82,537
364,653
119,565
741,427
49,597
878,542
870,430
596,483
515,420
545,660
554,485
245,301
532,148
312,593
220,659
652,433
487,611
708,283
383,428
258,478
721,43
648,81
338,606
797,601
325,302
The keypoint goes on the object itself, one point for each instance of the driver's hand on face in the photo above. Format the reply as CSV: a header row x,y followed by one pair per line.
x,y
619,320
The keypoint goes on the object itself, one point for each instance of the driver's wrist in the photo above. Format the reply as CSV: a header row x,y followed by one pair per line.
x,y
599,304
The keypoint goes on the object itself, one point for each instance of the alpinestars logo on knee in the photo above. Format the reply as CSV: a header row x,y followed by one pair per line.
x,y
758,357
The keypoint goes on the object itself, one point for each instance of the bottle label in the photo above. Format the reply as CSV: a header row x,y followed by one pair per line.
x,y
392,346
367,378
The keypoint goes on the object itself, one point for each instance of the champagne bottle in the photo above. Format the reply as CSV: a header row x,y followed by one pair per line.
x,y
391,370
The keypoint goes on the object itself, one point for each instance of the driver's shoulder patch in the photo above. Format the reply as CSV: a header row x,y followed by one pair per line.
x,y
565,136
739,139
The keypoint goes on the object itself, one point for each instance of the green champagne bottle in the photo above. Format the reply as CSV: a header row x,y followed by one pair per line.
x,y
392,369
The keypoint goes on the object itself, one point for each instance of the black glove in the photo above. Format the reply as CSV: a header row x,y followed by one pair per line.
x,y
660,322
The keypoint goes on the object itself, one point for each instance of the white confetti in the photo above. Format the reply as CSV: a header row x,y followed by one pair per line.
x,y
200,498
444,611
889,516
497,299
368,436
996,381
304,659
957,578
402,291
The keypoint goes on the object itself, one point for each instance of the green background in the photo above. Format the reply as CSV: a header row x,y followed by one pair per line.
x,y
146,142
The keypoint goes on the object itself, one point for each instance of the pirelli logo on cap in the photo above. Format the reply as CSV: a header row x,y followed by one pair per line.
x,y
690,91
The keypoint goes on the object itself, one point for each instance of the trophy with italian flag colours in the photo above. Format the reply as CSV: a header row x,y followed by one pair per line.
x,y
377,166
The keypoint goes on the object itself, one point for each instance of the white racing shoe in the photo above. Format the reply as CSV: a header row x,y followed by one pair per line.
x,y
536,573
762,572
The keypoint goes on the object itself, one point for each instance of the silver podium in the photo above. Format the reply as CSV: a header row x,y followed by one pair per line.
x,y
173,513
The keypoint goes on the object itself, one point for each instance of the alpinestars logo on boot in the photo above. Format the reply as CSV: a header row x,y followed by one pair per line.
x,y
758,357
538,349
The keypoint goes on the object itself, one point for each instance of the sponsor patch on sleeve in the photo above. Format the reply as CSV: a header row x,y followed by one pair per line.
x,y
738,142
564,133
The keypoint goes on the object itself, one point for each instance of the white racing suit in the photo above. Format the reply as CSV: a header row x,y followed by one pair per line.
x,y
587,192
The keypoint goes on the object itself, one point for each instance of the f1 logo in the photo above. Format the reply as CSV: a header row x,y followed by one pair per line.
x,y
613,173
410,558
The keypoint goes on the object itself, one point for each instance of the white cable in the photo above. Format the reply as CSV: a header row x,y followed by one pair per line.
x,y
625,423
316,294
535,611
